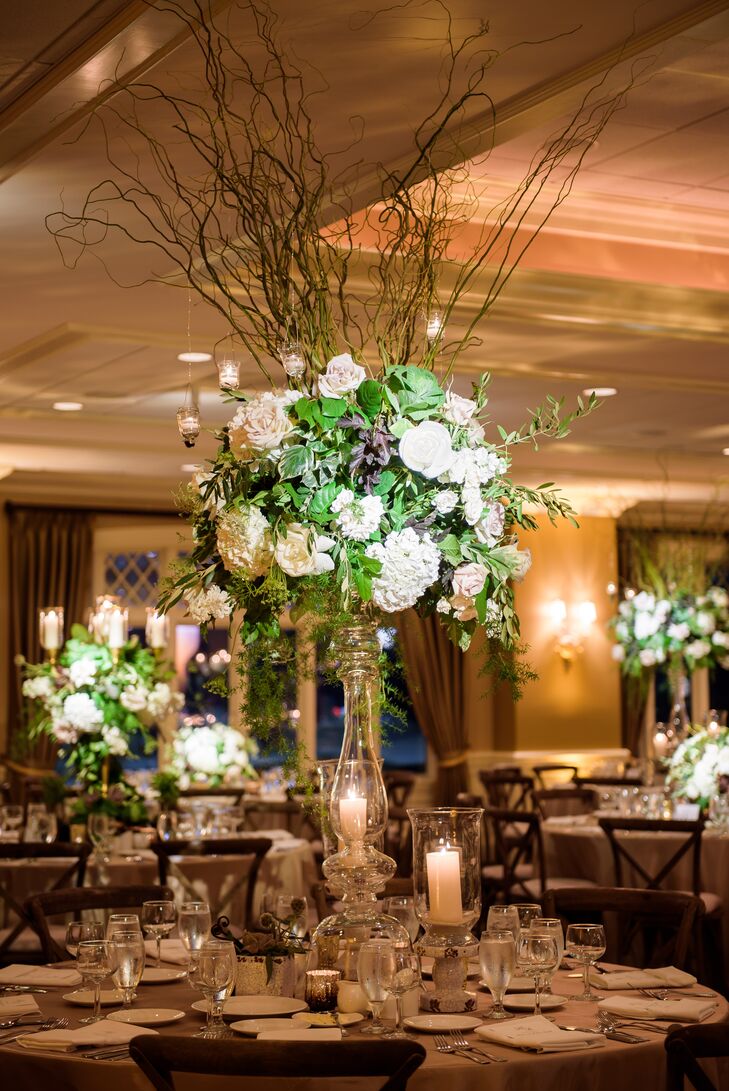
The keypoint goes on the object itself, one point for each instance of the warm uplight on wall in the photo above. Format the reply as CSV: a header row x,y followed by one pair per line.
x,y
571,624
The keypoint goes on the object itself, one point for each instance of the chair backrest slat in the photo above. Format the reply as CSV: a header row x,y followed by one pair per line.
x,y
254,847
510,791
690,844
686,1047
518,840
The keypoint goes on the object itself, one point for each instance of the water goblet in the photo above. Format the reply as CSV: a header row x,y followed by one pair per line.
x,y
503,918
586,944
527,911
79,931
497,956
370,980
122,922
127,962
217,965
193,924
399,972
538,956
158,920
94,964
549,926
402,908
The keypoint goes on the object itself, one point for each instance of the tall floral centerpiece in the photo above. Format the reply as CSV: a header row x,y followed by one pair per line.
x,y
207,752
698,769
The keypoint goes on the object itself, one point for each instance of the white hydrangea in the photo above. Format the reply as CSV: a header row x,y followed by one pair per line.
x,y
38,688
134,698
679,630
697,649
644,601
719,639
445,501
409,566
244,541
116,741
82,672
705,622
718,596
472,504
80,711
646,625
207,605
358,516
490,526
647,657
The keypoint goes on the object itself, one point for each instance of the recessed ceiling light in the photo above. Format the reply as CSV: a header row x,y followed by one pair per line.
x,y
600,391
68,407
190,467
194,357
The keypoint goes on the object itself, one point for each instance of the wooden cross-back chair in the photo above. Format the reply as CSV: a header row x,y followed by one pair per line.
x,y
71,876
510,791
623,857
686,1047
520,872
551,802
544,769
253,847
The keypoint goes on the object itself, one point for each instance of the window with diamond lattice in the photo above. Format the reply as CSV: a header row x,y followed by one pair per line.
x,y
133,577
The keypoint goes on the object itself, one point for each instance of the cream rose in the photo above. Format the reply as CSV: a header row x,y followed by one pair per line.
x,y
469,580
341,377
259,425
426,449
302,552
458,410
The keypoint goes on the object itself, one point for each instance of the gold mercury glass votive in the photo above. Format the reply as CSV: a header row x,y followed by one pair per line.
x,y
320,989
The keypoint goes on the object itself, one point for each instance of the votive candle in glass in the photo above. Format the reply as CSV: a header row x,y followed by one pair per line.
x,y
320,989
228,374
118,627
50,623
158,629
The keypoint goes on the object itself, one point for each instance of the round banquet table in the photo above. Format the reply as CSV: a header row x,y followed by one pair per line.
x,y
577,848
614,1064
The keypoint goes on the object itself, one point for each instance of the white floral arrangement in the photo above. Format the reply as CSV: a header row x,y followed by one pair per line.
x,y
699,766
211,753
687,630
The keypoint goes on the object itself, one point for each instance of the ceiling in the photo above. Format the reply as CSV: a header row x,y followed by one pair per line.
x,y
627,286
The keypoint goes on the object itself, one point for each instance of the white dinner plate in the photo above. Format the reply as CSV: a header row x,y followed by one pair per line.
x,y
518,985
436,1024
255,1007
251,1028
302,1034
426,966
85,997
161,975
327,1019
147,1017
525,1002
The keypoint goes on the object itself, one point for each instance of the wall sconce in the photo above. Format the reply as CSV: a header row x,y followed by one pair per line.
x,y
571,625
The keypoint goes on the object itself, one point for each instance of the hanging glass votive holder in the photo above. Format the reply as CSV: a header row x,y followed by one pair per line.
x,y
228,374
292,359
434,324
188,424
157,629
50,630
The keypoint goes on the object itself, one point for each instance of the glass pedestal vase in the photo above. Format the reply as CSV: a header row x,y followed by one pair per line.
x,y
447,883
357,816
679,719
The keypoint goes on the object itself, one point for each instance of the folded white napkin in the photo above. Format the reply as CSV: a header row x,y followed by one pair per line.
x,y
103,1033
675,1009
20,1004
42,976
537,1034
302,1034
663,977
173,951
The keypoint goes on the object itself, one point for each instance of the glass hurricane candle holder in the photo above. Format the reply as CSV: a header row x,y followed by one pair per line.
x,y
292,359
188,424
228,374
433,325
50,629
100,615
447,885
157,629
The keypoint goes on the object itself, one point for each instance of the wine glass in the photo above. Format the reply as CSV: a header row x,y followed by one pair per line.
x,y
167,824
127,962
538,956
527,912
11,818
549,926
402,908
94,964
214,976
399,972
497,956
586,944
370,980
99,826
158,920
503,918
193,924
79,931
285,910
122,922
46,827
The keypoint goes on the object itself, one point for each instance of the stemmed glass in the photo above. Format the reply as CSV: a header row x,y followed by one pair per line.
x,y
503,918
193,924
79,931
538,956
497,954
127,961
158,920
399,972
94,964
11,818
586,944
99,827
549,926
215,971
402,908
122,922
527,912
370,980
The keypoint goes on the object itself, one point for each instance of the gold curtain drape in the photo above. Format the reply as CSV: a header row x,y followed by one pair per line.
x,y
434,670
50,554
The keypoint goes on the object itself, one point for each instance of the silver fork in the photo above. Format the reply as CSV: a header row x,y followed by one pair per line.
x,y
49,1024
459,1040
444,1046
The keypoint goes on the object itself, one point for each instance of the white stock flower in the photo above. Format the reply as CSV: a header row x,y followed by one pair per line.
x,y
458,410
163,700
358,516
80,711
646,625
445,501
618,653
474,466
679,630
647,657
705,622
281,397
115,740
82,672
472,504
134,698
341,377
490,526
698,649
409,566
37,688
260,425
244,541
303,552
208,605
426,449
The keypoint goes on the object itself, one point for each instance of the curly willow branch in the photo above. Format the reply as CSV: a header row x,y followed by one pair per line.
x,y
227,183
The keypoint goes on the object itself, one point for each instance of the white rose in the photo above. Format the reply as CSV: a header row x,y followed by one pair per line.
x,y
678,631
705,622
618,653
490,526
302,552
134,698
472,504
81,712
720,640
722,762
469,580
458,410
82,672
647,657
644,601
445,501
524,563
646,625
622,631
341,377
426,449
698,649
260,425
38,687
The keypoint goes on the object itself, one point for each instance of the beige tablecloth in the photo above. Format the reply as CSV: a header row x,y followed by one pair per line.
x,y
614,1065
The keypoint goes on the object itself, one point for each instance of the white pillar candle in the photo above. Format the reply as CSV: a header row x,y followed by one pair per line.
x,y
117,636
660,744
157,631
444,886
353,818
51,631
